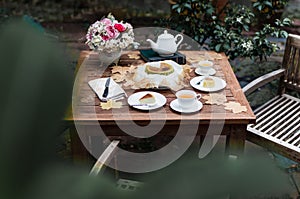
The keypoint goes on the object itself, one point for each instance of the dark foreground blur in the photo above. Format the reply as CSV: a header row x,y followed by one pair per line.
x,y
35,91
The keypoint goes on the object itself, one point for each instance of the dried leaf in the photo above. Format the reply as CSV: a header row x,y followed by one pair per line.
x,y
132,68
120,69
110,104
134,56
186,72
187,68
235,107
215,98
118,77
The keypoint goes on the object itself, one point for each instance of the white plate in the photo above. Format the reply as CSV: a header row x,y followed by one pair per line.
x,y
176,107
219,84
134,100
212,71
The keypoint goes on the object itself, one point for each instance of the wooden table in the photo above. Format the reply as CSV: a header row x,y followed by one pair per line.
x,y
90,113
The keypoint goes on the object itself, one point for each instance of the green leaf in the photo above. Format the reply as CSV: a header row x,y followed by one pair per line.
x,y
284,34
246,27
286,21
174,6
226,46
256,4
268,3
218,47
260,7
188,6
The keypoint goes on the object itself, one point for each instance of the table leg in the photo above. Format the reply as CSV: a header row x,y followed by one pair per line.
x,y
79,153
235,141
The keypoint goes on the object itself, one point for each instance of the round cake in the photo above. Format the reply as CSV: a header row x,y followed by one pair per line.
x,y
163,69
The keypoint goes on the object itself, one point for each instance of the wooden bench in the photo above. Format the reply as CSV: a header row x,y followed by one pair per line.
x,y
278,121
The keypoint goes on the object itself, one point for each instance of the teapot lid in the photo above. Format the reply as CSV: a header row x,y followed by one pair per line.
x,y
165,35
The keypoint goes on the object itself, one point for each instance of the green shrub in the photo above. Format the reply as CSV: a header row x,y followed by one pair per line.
x,y
224,31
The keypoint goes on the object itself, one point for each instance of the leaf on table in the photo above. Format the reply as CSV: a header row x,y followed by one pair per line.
x,y
186,71
134,56
120,69
132,68
235,107
118,77
187,68
110,104
215,98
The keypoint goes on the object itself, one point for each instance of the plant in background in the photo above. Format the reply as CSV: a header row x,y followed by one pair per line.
x,y
269,7
200,20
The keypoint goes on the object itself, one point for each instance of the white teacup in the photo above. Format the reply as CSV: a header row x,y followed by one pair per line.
x,y
187,98
205,66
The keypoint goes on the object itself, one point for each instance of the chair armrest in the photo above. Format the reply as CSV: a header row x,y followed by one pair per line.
x,y
260,81
104,159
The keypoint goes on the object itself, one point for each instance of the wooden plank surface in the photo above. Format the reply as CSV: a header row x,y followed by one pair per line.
x,y
88,69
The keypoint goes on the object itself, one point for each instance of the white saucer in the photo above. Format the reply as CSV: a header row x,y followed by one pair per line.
x,y
176,107
219,84
134,100
212,71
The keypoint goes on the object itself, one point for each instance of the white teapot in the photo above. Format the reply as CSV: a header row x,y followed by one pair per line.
x,y
166,44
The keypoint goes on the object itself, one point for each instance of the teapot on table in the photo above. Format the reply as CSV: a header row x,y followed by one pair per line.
x,y
166,44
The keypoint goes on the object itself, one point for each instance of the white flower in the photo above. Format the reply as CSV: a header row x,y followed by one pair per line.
x,y
239,19
248,45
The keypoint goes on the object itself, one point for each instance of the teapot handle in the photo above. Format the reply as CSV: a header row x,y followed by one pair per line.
x,y
179,35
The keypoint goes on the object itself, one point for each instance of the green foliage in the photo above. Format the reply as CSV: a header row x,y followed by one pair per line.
x,y
269,7
200,20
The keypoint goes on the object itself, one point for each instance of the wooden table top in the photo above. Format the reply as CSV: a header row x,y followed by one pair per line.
x,y
88,69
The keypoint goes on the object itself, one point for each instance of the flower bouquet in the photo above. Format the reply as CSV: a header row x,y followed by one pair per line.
x,y
110,35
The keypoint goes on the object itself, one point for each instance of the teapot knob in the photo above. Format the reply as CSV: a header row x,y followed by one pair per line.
x,y
165,32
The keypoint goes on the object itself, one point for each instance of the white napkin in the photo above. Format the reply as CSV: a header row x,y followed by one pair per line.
x,y
98,86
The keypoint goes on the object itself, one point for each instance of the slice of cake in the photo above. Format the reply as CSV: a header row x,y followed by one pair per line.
x,y
147,99
163,69
208,82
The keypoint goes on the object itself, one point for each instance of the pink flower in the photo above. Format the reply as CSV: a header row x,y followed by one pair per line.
x,y
105,37
119,27
111,32
106,21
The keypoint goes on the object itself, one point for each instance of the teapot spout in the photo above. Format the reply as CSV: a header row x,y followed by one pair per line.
x,y
153,44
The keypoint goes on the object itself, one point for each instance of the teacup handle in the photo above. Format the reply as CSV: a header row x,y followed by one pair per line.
x,y
198,96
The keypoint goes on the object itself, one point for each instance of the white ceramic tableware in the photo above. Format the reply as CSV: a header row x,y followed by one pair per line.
x,y
166,44
205,66
176,107
133,100
187,98
219,84
211,72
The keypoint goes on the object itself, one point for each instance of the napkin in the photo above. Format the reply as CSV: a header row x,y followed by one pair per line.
x,y
98,86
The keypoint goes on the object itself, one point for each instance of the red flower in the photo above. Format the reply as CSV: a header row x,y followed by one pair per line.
x,y
119,27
